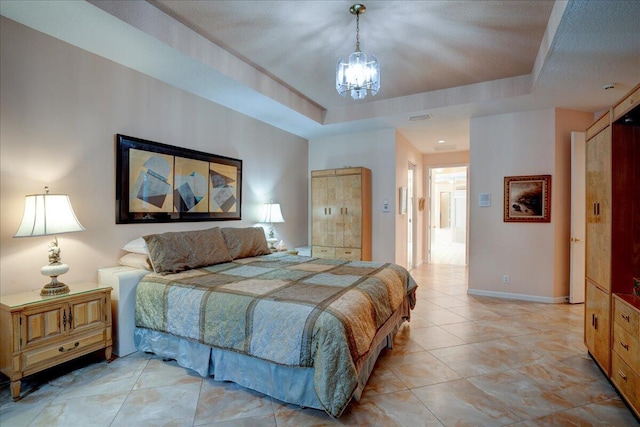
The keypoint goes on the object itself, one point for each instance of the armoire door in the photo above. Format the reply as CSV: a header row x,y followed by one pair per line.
x,y
319,214
598,209
351,211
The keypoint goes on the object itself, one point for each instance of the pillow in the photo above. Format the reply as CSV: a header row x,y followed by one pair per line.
x,y
137,246
172,252
246,242
136,261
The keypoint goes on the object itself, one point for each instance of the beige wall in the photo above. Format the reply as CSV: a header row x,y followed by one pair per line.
x,y
60,109
406,153
534,255
376,151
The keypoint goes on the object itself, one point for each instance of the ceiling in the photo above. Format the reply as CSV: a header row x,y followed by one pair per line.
x,y
445,60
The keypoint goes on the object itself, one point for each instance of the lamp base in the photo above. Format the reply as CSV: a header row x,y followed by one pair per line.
x,y
271,241
54,287
51,289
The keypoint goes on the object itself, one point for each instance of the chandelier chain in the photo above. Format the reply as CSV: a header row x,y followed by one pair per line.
x,y
357,31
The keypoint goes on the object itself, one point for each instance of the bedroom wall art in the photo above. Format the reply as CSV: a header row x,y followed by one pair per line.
x,y
162,183
527,198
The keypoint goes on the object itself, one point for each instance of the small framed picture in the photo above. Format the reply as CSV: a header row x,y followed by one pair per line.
x,y
527,198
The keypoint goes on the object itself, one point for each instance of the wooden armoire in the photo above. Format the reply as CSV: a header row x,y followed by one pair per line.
x,y
341,213
612,308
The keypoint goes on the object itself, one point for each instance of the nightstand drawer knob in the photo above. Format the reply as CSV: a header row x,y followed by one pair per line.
x,y
62,349
624,345
626,317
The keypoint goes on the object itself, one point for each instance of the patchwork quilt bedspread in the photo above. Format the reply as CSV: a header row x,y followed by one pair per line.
x,y
286,309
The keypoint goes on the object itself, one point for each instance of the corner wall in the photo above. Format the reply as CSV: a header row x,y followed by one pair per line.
x,y
534,255
59,112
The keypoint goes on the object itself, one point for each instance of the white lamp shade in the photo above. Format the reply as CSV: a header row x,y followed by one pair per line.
x,y
272,213
47,214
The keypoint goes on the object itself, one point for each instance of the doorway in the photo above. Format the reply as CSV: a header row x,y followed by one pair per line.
x,y
448,215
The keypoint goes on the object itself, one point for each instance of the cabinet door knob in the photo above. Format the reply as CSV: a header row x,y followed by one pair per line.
x,y
622,375
624,345
625,317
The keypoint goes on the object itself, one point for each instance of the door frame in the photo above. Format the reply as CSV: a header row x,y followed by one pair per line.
x,y
578,218
412,215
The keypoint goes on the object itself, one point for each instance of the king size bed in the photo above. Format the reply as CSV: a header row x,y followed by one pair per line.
x,y
304,330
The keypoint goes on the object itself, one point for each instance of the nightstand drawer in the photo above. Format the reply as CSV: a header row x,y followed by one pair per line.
x,y
626,380
626,316
627,347
72,348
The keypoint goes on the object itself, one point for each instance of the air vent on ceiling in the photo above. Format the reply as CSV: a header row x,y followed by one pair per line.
x,y
418,118
448,147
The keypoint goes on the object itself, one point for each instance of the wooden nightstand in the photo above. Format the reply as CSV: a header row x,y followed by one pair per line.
x,y
37,332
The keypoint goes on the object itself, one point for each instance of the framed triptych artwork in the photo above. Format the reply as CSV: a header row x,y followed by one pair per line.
x,y
163,183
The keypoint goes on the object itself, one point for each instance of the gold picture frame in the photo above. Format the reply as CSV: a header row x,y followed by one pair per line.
x,y
527,198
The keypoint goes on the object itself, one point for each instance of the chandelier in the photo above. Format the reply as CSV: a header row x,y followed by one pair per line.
x,y
360,73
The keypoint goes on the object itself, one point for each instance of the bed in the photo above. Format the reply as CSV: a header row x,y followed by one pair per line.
x,y
304,330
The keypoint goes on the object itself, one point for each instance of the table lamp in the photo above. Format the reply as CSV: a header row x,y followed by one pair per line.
x,y
49,215
272,214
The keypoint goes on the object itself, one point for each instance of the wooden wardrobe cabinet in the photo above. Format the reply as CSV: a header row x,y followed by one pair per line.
x,y
613,238
341,213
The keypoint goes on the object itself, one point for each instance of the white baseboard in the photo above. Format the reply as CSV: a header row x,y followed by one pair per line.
x,y
507,295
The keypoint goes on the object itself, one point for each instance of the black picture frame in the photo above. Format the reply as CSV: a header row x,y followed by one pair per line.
x,y
157,182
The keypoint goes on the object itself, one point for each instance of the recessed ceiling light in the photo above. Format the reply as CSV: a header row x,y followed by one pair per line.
x,y
442,141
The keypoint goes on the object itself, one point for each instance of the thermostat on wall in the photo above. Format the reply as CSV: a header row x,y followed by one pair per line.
x,y
484,200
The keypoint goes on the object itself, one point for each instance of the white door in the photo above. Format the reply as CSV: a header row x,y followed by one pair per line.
x,y
578,194
410,223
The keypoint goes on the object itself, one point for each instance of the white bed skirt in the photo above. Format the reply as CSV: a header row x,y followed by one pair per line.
x,y
288,384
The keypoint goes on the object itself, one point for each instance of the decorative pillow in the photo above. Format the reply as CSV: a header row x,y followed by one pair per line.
x,y
136,261
246,242
137,246
172,252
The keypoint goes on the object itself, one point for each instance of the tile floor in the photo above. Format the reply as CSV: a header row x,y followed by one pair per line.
x,y
462,360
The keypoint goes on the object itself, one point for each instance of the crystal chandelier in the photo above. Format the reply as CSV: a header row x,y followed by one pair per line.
x,y
360,73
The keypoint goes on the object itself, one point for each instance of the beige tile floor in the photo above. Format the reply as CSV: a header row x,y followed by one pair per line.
x,y
462,360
